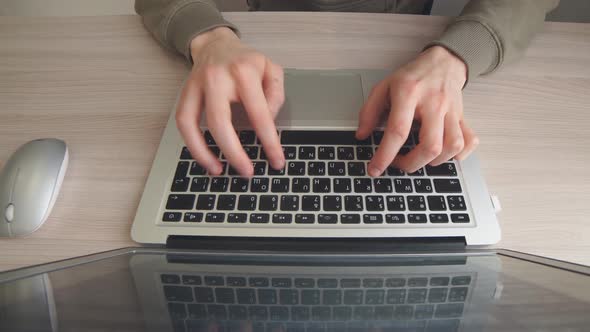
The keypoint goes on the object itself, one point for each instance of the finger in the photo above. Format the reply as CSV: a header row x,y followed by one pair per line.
x,y
396,132
188,114
252,96
220,125
471,141
246,326
212,327
453,142
274,87
431,142
371,111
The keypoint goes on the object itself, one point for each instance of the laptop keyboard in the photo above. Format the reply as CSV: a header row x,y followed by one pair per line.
x,y
324,182
297,304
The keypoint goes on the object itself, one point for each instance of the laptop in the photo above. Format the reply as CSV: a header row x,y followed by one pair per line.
x,y
324,190
152,289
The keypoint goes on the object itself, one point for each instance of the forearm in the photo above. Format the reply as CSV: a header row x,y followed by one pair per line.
x,y
490,33
174,23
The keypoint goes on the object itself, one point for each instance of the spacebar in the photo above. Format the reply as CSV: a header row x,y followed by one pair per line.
x,y
316,137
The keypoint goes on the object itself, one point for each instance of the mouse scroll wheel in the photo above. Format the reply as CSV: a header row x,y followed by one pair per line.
x,y
9,213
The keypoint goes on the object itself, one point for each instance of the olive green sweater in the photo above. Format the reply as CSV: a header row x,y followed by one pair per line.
x,y
487,34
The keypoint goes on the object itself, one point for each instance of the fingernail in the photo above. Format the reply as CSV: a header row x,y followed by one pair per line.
x,y
278,163
374,171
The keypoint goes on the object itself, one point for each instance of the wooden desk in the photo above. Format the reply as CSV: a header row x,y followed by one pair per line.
x,y
103,85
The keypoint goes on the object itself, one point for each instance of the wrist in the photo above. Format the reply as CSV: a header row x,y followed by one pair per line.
x,y
457,67
201,41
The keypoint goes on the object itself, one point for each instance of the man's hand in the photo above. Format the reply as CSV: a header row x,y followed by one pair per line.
x,y
226,71
427,89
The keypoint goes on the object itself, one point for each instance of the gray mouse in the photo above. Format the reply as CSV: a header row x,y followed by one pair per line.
x,y
29,185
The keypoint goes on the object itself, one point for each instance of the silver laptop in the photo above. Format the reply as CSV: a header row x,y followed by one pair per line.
x,y
147,289
324,191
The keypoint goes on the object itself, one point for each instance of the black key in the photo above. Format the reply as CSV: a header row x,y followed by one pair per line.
x,y
247,203
364,313
281,282
237,218
460,281
289,296
438,218
172,216
247,137
180,202
382,185
236,281
185,154
460,217
402,185
395,218
197,169
353,203
321,314
356,168
296,168
304,283
191,280
199,184
178,293
417,282
267,296
332,297
342,185
170,279
197,311
326,153
310,297
205,202
353,296
279,185
439,281
239,185
424,311
417,295
193,217
363,185
316,168
404,151
219,184
258,282
395,296
262,154
416,203
181,169
177,311
216,312
423,185
377,137
259,218
224,295
393,171
238,312
251,151
180,185
290,152
278,314
416,218
306,152
336,168
327,218
214,217
437,295
215,150
310,203
246,295
372,219
419,172
304,218
300,185
299,313
345,153
456,203
320,137
289,203
395,282
383,312
446,169
396,203
449,310
364,152
209,138
350,218
374,296
342,313
372,283
272,171
450,186
282,218
259,167
458,294
226,202
403,312
374,203
350,283
436,203
327,283
259,185
321,185
258,313
332,203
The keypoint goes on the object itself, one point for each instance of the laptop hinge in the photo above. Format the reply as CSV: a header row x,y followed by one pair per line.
x,y
308,245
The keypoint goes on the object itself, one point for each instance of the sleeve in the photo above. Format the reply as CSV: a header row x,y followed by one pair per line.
x,y
489,33
174,23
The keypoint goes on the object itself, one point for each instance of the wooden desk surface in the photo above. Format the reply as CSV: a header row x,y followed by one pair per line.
x,y
104,86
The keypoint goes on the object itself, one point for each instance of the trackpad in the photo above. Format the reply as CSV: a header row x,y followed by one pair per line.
x,y
321,98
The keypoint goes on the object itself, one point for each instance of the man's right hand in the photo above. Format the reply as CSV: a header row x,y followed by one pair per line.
x,y
226,71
